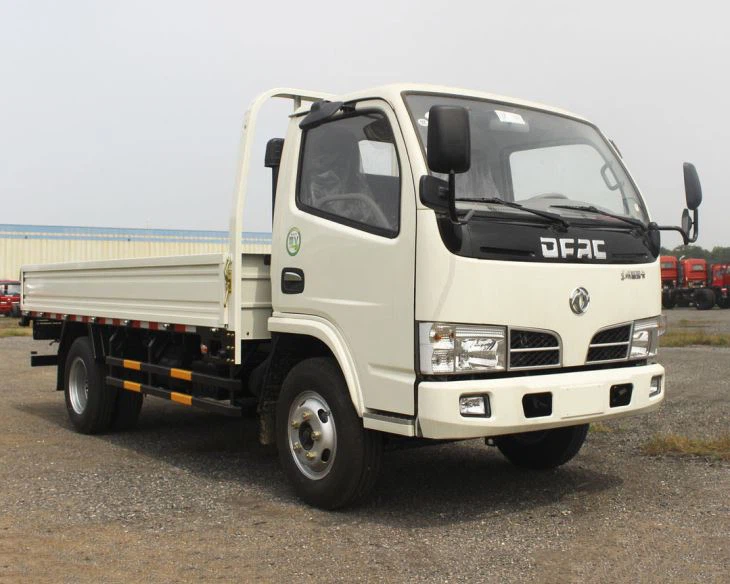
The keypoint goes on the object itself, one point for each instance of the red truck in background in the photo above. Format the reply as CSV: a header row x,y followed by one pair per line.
x,y
9,298
689,281
720,284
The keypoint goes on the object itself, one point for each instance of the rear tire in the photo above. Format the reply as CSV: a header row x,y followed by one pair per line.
x,y
89,402
544,449
723,302
704,299
327,455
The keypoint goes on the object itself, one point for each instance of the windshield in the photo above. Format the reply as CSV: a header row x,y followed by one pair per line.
x,y
540,160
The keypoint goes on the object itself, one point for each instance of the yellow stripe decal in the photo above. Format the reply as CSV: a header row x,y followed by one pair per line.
x,y
136,365
181,374
181,398
132,386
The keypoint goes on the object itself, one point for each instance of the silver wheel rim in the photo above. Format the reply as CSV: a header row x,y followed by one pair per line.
x,y
312,435
78,385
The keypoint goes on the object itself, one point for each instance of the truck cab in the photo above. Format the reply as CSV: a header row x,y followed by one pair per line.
x,y
720,284
694,272
720,275
670,273
9,298
445,264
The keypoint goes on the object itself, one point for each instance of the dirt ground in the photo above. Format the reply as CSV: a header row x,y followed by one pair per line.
x,y
192,497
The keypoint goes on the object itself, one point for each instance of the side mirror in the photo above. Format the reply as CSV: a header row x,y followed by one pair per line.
x,y
448,148
272,160
449,140
693,193
692,187
686,222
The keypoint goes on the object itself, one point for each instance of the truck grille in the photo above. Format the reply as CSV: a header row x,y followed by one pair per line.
x,y
611,344
532,349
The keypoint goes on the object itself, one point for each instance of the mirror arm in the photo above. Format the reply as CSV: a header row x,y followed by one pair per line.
x,y
685,236
453,216
696,225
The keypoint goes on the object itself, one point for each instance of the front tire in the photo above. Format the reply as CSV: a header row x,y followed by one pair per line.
x,y
89,402
543,449
327,455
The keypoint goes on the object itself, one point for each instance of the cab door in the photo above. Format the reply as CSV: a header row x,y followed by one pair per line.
x,y
347,237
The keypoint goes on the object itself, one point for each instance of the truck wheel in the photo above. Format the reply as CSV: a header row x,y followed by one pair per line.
x,y
704,299
330,459
669,299
544,449
89,402
722,302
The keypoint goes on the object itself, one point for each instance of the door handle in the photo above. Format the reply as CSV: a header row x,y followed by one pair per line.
x,y
292,281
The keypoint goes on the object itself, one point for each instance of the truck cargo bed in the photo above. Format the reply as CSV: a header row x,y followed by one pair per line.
x,y
183,290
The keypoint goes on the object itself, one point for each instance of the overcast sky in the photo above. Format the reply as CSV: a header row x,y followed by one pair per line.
x,y
128,114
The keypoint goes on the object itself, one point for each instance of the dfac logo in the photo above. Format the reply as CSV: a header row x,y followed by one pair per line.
x,y
567,247
579,300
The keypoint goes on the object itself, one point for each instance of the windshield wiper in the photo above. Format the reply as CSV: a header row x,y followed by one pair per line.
x,y
597,211
554,217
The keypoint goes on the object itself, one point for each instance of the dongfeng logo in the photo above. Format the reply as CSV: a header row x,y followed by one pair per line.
x,y
579,300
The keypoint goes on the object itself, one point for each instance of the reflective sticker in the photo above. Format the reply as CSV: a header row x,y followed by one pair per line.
x,y
509,117
293,241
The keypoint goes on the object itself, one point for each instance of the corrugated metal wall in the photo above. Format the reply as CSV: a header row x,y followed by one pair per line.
x,y
36,244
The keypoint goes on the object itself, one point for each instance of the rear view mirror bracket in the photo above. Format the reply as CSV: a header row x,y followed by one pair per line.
x,y
693,193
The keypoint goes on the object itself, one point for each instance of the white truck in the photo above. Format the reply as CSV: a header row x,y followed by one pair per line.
x,y
445,264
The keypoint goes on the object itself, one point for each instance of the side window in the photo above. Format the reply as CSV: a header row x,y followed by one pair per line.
x,y
349,173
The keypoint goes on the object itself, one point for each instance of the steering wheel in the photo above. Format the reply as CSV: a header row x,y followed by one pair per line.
x,y
375,212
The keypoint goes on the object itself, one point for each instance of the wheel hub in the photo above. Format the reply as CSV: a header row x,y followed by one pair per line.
x,y
312,435
78,385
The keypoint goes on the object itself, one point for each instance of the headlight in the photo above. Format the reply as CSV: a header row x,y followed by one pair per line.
x,y
458,348
645,339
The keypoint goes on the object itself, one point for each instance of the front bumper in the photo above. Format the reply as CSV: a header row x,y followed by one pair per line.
x,y
577,398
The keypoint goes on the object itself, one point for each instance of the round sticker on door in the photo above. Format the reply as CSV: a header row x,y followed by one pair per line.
x,y
293,241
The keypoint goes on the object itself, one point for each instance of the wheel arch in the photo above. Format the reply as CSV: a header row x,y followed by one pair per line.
x,y
70,331
313,336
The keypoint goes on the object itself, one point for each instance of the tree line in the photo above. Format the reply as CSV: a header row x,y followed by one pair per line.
x,y
717,254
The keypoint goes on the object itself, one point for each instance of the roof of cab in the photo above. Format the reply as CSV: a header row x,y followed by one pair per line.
x,y
393,92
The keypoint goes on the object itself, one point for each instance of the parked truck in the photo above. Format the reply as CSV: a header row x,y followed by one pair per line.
x,y
9,298
719,283
670,280
388,306
692,281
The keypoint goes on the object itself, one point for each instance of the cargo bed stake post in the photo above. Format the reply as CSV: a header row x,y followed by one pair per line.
x,y
239,199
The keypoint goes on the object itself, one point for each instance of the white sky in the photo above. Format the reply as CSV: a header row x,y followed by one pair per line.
x,y
127,114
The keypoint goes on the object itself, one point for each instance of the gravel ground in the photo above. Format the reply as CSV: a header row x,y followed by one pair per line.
x,y
715,321
192,497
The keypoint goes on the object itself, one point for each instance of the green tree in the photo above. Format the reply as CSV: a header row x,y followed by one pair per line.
x,y
721,254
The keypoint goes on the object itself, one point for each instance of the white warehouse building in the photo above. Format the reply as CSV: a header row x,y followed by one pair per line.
x,y
45,244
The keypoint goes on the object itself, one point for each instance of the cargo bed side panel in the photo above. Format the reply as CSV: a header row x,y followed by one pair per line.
x,y
188,290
